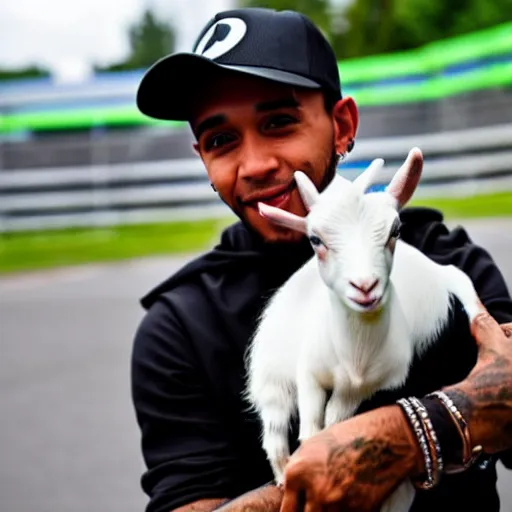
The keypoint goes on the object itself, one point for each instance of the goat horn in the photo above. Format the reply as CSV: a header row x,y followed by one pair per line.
x,y
407,177
307,189
367,177
283,218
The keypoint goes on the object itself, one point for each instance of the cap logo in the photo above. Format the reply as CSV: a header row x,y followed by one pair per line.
x,y
222,37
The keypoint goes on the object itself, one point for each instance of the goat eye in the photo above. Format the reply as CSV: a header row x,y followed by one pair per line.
x,y
395,229
315,241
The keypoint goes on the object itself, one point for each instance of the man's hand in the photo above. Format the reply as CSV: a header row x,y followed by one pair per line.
x,y
485,396
358,463
352,466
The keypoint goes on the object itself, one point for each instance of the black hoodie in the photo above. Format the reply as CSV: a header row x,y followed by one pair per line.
x,y
198,438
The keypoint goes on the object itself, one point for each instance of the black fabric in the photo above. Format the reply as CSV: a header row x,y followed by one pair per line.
x,y
449,438
283,41
198,438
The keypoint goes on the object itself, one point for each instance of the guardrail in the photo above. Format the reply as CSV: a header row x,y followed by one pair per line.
x,y
456,163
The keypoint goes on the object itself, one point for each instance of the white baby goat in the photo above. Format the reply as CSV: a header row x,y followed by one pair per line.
x,y
351,319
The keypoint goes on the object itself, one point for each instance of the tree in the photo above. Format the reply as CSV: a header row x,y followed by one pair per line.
x,y
316,10
369,27
150,39
319,12
381,26
22,73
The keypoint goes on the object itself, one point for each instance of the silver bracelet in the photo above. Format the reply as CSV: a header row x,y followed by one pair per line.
x,y
435,447
421,437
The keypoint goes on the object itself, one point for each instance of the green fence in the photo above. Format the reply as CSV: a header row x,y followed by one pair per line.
x,y
476,61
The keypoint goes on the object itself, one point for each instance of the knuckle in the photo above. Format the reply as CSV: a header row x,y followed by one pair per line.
x,y
482,318
507,329
292,470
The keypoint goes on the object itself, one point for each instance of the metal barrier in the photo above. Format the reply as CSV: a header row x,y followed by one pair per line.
x,y
456,163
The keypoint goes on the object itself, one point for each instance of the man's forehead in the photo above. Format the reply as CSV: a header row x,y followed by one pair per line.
x,y
229,93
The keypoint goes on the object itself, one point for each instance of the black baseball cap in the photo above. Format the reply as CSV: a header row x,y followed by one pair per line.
x,y
283,46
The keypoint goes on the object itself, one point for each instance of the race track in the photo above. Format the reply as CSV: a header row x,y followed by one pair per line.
x,y
68,440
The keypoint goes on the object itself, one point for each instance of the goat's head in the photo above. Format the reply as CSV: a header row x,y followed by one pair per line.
x,y
354,232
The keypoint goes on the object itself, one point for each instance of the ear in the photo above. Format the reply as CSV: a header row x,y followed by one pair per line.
x,y
367,177
406,179
195,145
307,189
346,121
283,218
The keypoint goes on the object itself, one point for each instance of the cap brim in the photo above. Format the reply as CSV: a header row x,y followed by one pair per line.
x,y
170,87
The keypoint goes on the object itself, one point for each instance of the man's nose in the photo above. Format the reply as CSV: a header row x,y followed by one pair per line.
x,y
257,160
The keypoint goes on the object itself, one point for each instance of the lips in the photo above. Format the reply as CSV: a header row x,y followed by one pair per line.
x,y
276,197
368,304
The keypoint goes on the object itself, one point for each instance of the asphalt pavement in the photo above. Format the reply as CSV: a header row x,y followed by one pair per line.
x,y
69,440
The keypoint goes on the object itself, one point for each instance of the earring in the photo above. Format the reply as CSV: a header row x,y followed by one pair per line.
x,y
350,145
213,187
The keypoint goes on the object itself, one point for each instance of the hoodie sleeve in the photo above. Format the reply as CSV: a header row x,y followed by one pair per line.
x,y
185,447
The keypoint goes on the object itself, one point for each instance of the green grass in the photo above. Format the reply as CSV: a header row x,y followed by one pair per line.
x,y
478,206
30,251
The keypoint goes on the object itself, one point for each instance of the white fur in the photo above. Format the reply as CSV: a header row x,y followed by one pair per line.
x,y
311,337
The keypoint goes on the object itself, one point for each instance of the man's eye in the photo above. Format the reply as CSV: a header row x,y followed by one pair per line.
x,y
218,140
280,121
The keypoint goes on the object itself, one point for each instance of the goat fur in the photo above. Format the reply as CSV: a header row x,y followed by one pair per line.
x,y
309,340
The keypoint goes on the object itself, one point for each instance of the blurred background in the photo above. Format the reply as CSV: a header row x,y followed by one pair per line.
x,y
99,203
81,166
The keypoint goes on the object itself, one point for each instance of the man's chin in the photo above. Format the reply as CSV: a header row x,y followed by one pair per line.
x,y
283,235
270,232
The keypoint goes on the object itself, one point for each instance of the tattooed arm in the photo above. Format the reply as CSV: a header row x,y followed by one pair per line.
x,y
356,463
485,396
359,462
265,499
201,506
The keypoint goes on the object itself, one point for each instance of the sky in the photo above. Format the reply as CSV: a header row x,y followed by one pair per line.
x,y
68,36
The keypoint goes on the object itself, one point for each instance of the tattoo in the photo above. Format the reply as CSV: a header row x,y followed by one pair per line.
x,y
367,466
263,499
384,456
371,461
485,400
202,506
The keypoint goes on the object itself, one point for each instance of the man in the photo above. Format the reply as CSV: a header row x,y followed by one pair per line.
x,y
262,95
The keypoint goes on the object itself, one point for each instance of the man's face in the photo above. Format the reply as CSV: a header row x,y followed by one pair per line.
x,y
252,135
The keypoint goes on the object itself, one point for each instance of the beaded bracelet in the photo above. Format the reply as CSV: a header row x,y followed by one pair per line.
x,y
421,437
470,453
435,447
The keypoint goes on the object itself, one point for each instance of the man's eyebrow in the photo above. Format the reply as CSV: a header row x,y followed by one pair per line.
x,y
208,123
277,104
266,106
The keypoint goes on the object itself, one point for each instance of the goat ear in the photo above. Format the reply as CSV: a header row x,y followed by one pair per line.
x,y
307,189
367,177
406,179
283,218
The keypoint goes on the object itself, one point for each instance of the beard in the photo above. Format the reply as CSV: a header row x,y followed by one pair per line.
x,y
330,171
327,176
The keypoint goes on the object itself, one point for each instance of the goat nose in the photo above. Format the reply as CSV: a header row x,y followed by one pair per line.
x,y
365,285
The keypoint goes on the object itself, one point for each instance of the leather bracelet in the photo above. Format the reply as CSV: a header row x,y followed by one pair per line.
x,y
447,432
469,452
